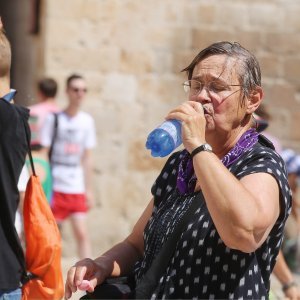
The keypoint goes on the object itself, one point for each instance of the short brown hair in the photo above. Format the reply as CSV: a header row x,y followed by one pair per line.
x,y
249,70
5,53
48,87
71,78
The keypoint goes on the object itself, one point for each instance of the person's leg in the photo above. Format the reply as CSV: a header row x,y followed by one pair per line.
x,y
60,208
78,221
11,294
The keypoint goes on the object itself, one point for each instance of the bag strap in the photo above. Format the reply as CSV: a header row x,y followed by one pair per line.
x,y
54,135
27,276
148,283
29,151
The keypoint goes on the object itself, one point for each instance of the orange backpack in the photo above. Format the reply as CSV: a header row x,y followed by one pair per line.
x,y
43,244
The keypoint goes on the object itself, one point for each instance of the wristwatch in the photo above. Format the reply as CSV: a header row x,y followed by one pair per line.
x,y
203,147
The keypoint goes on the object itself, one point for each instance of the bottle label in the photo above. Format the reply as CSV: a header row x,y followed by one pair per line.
x,y
172,129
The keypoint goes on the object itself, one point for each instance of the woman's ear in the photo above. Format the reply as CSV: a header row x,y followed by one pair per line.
x,y
254,100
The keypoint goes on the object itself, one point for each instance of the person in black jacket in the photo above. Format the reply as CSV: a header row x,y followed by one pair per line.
x,y
13,149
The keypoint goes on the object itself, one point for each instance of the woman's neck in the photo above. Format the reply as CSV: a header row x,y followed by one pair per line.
x,y
221,146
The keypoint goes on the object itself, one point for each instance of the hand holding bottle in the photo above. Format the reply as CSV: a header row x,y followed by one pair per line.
x,y
167,137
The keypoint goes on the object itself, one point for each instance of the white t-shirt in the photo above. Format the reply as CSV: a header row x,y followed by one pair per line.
x,y
23,179
74,135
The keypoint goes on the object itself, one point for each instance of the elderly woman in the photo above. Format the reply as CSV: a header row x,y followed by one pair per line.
x,y
229,247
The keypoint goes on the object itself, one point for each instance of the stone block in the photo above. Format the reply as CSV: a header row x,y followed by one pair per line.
x,y
181,59
291,20
280,94
232,15
249,39
270,65
140,158
137,61
281,43
101,60
195,13
267,15
119,86
291,70
202,38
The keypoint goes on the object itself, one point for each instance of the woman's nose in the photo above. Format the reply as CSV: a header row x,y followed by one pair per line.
x,y
202,96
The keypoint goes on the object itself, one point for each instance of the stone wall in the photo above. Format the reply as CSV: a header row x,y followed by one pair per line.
x,y
131,53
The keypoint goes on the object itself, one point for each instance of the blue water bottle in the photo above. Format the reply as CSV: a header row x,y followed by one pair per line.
x,y
165,138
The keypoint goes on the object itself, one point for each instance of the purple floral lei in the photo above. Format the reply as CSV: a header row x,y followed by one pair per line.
x,y
186,179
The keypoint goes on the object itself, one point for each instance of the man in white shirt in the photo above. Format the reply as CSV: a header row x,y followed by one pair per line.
x,y
71,162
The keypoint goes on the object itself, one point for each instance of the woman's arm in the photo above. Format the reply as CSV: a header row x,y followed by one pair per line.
x,y
244,211
286,278
119,260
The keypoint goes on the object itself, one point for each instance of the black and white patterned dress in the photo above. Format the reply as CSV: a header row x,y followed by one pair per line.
x,y
202,267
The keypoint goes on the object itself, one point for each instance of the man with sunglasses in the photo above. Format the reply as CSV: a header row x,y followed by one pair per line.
x,y
71,135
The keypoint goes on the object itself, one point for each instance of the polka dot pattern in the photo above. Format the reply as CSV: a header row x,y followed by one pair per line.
x,y
202,267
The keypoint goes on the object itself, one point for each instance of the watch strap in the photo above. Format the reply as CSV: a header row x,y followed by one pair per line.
x,y
203,147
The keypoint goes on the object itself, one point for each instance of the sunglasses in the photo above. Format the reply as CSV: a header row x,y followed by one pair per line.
x,y
76,90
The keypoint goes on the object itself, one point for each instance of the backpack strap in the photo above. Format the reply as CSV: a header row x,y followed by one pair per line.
x,y
29,151
53,136
26,274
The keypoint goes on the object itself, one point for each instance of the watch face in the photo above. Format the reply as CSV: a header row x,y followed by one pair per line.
x,y
207,147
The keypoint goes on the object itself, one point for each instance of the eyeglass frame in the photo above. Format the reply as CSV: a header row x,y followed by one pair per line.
x,y
186,85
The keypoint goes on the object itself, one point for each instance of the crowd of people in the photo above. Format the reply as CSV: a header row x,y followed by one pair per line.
x,y
241,181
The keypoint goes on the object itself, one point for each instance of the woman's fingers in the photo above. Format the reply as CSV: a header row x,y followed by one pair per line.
x,y
76,275
185,110
86,286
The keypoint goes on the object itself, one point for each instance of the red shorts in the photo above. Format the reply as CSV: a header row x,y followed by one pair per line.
x,y
63,205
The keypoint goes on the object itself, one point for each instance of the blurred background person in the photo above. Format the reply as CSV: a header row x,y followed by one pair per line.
x,y
263,118
71,161
286,262
46,104
291,243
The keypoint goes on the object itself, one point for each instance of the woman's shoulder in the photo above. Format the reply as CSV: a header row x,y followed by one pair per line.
x,y
261,158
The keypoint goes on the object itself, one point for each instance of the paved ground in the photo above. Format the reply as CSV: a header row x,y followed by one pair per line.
x,y
275,285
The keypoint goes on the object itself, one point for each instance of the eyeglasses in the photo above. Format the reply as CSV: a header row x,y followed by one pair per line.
x,y
76,90
194,87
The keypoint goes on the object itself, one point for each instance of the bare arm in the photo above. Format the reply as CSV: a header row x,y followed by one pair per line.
x,y
244,211
286,278
120,259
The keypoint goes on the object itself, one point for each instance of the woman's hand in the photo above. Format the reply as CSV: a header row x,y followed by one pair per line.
x,y
191,114
84,275
292,293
